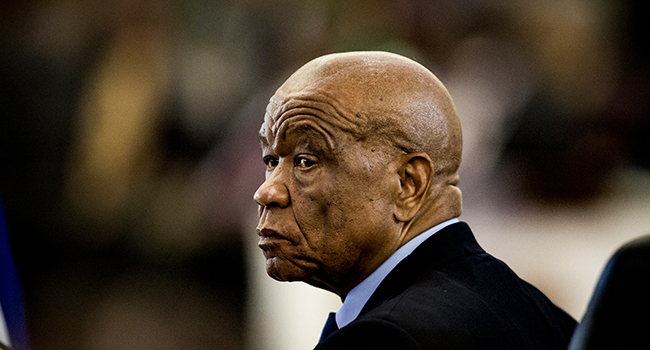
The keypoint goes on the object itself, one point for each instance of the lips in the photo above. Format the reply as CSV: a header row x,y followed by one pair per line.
x,y
269,238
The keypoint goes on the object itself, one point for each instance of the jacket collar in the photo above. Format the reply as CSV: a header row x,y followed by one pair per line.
x,y
448,244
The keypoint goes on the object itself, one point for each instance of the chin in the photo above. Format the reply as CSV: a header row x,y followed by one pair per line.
x,y
282,271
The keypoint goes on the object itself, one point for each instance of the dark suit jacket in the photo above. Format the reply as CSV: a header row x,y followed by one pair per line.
x,y
450,294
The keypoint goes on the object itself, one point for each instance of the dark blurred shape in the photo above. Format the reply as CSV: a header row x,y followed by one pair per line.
x,y
630,111
617,315
562,157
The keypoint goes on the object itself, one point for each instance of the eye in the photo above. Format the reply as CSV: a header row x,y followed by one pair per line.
x,y
304,162
271,162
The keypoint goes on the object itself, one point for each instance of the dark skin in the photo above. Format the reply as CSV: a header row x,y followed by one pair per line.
x,y
361,151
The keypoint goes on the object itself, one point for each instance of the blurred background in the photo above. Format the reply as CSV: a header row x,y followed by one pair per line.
x,y
129,152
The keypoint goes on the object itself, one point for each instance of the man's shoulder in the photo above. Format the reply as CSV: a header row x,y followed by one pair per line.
x,y
451,313
446,300
470,298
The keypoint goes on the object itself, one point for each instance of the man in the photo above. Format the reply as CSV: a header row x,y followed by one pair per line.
x,y
362,151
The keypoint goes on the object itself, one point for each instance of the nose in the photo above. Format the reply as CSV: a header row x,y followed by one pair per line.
x,y
273,191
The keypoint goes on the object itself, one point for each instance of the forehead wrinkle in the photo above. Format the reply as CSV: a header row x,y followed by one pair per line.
x,y
320,104
304,121
272,107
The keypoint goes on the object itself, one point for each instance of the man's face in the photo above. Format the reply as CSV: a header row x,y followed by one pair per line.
x,y
326,205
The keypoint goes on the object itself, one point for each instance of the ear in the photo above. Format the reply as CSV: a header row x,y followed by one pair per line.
x,y
415,174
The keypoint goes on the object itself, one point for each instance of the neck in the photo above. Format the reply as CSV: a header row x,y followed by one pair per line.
x,y
445,205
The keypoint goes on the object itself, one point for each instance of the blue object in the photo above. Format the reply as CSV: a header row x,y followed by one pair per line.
x,y
11,299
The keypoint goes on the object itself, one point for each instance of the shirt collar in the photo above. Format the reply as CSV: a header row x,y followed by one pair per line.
x,y
360,294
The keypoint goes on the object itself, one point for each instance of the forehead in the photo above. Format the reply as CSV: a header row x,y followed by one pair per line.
x,y
305,112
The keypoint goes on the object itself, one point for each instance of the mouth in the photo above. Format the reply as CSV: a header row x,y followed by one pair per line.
x,y
269,238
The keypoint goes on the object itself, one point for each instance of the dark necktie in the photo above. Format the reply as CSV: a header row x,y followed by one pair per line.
x,y
330,326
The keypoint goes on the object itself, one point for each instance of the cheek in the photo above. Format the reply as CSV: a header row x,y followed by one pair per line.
x,y
332,220
324,220
321,206
315,214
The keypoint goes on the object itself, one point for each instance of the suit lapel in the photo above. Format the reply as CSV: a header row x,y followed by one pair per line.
x,y
445,245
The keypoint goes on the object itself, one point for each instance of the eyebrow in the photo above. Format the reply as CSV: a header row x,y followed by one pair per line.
x,y
264,141
303,126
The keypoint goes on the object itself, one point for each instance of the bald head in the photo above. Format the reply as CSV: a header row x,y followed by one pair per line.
x,y
379,95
